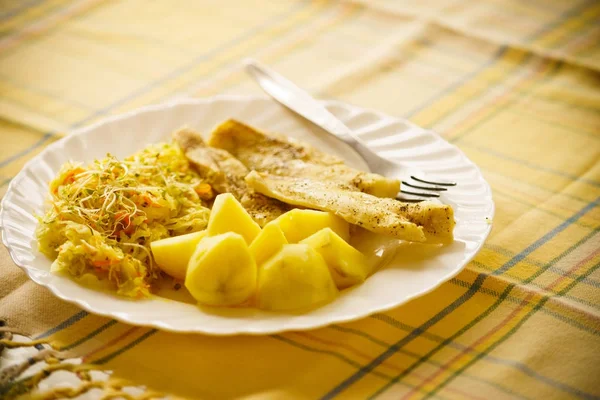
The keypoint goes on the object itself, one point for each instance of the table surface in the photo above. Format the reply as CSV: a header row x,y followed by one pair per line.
x,y
515,85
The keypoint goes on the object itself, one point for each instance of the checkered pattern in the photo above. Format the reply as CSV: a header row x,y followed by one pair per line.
x,y
515,84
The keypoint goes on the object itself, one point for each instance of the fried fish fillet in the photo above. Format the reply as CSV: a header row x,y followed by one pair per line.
x,y
279,155
416,222
226,175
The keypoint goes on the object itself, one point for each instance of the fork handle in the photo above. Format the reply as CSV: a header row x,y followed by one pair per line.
x,y
300,102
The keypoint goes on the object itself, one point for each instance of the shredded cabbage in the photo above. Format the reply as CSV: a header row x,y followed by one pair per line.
x,y
104,216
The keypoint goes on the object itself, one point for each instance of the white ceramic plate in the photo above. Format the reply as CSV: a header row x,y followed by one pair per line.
x,y
411,273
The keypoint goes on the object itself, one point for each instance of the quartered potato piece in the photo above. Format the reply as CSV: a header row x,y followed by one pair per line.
x,y
299,224
268,242
173,254
221,271
347,265
295,278
228,215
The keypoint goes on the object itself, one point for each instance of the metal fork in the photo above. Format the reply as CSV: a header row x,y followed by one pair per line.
x,y
300,102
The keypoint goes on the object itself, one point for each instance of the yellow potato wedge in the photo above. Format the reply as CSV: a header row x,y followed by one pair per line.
x,y
347,265
268,242
173,254
228,215
221,272
299,224
295,278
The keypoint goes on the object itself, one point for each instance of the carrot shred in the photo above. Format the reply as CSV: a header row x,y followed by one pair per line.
x,y
204,191
70,177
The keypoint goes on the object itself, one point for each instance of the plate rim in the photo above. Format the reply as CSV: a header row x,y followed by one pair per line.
x,y
31,273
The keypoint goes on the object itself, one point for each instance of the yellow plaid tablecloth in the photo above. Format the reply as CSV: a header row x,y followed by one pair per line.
x,y
515,84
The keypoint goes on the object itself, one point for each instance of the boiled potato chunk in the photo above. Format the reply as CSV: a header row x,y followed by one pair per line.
x,y
221,271
173,254
295,278
268,242
228,215
348,266
299,224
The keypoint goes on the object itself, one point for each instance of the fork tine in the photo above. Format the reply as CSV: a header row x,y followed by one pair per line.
x,y
405,200
437,189
421,194
434,183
